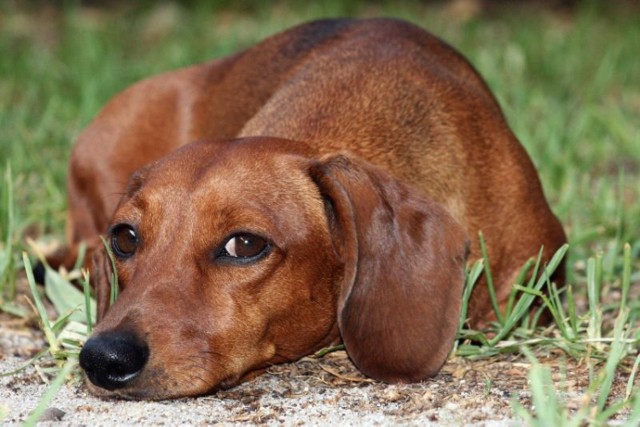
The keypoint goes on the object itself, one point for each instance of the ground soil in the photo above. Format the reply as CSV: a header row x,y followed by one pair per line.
x,y
312,391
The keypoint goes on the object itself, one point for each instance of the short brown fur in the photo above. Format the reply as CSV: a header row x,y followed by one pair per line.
x,y
368,153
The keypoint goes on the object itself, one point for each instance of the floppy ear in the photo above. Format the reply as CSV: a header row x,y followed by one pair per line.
x,y
404,256
101,271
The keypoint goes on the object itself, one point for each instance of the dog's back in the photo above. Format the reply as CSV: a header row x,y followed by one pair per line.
x,y
383,89
407,102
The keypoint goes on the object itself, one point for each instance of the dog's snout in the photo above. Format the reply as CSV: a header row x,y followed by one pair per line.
x,y
112,360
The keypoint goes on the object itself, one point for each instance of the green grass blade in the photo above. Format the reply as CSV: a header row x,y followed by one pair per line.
x,y
634,416
323,352
89,307
523,305
66,297
472,278
14,310
594,278
7,264
573,317
82,252
26,364
42,312
113,280
489,277
626,274
632,378
519,279
543,395
616,354
560,317
62,320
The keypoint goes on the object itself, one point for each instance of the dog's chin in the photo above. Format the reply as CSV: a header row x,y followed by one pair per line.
x,y
158,392
122,394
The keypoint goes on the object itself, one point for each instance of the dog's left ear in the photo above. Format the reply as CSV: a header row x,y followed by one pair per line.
x,y
404,256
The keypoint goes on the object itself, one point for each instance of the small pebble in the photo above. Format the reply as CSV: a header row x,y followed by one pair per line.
x,y
52,414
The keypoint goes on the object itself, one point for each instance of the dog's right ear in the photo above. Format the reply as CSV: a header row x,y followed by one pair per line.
x,y
101,273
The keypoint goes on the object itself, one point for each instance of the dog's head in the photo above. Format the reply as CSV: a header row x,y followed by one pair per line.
x,y
232,257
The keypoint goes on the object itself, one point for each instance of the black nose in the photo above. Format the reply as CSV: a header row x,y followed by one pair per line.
x,y
39,273
113,359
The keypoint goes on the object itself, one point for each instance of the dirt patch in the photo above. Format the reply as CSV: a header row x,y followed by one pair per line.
x,y
311,391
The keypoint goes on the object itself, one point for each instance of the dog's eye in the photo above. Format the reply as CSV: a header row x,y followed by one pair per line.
x,y
124,240
244,247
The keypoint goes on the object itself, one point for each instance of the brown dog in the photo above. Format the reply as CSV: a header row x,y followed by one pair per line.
x,y
342,167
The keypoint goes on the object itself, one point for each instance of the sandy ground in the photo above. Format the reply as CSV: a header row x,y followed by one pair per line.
x,y
313,391
289,396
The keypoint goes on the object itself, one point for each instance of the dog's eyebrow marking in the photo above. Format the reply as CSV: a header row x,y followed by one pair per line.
x,y
136,181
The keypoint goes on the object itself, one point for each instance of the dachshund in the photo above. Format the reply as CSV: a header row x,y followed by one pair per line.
x,y
325,186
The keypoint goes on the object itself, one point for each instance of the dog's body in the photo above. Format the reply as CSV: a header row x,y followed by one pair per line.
x,y
369,154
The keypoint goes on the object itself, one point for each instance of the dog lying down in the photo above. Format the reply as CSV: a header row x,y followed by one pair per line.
x,y
326,185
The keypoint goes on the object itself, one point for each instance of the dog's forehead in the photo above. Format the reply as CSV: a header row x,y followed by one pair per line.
x,y
250,171
247,166
244,160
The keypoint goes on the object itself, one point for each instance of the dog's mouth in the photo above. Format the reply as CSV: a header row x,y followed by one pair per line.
x,y
110,381
132,386
124,394
157,385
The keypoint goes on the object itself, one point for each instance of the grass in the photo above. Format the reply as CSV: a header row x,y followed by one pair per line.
x,y
569,83
582,336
